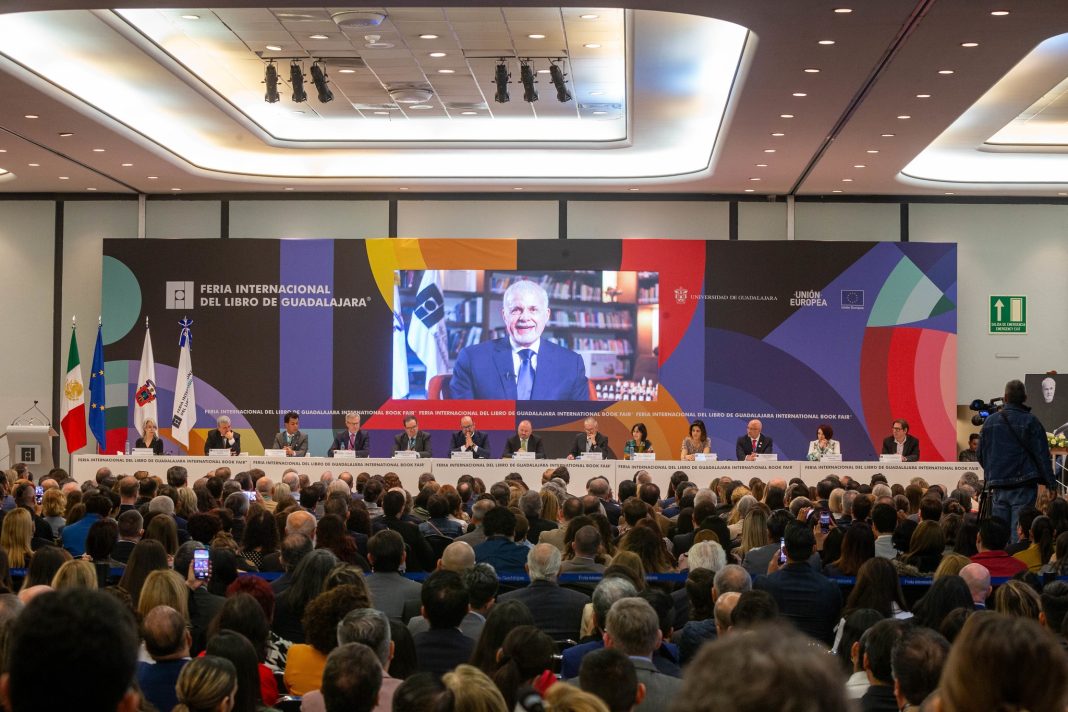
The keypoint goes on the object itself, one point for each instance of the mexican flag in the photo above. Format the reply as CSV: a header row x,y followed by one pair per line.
x,y
73,421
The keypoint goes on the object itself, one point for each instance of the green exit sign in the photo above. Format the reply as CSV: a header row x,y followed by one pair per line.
x,y
1008,314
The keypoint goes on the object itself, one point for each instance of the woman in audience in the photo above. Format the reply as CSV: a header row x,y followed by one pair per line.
x,y
966,536
331,534
1003,663
99,543
260,537
628,565
504,617
582,520
608,541
1016,598
526,654
46,562
847,648
568,698
307,583
419,693
878,588
76,573
53,507
438,522
276,648
164,588
945,594
186,506
147,556
163,529
950,525
645,541
954,622
1058,563
404,663
858,547
696,442
702,625
207,684
149,438
15,537
305,663
471,691
925,549
745,503
73,498
951,565
1057,511
754,531
1042,537
228,637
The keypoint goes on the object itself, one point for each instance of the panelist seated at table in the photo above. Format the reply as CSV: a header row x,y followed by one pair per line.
x,y
223,436
412,439
824,444
294,442
521,365
639,441
697,443
353,440
590,441
468,439
524,440
753,443
901,443
150,437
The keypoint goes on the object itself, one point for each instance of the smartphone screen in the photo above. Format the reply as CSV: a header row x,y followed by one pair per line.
x,y
782,551
825,520
200,564
251,495
39,494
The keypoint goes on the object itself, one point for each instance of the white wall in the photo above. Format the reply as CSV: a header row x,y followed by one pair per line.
x,y
174,219
508,219
866,222
648,219
322,219
761,221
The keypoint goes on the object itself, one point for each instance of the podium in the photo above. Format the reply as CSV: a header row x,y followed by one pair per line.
x,y
31,444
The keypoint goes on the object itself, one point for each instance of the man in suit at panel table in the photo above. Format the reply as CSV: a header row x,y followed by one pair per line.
x,y
412,438
468,439
524,440
589,440
223,437
520,366
294,442
753,443
352,440
901,443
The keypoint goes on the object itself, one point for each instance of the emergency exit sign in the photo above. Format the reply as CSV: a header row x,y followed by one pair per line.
x,y
1008,314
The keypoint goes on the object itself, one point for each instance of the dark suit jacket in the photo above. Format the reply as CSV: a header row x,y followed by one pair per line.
x,y
534,444
440,650
420,555
157,445
579,446
422,443
341,442
909,453
122,550
811,601
485,371
556,610
215,441
503,554
744,446
299,443
478,438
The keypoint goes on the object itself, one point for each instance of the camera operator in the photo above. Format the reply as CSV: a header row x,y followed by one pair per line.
x,y
1015,456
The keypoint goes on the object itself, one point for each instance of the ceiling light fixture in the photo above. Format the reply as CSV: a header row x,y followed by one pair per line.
x,y
888,135
812,70
778,135
588,17
153,177
296,79
287,188
536,37
500,78
999,13
175,189
319,78
786,116
847,180
526,77
769,150
836,191
270,78
762,165
859,165
754,179
826,43
98,150
66,134
420,107
446,71
318,37
923,96
64,177
945,71
437,54
126,165
556,75
871,150
600,113
969,44
428,36
950,193
346,71
273,48
904,116
468,113
34,165
381,113
800,93
633,189
190,17
32,116
750,190
843,10
90,188
592,45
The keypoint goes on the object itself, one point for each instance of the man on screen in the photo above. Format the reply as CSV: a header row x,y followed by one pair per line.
x,y
412,438
294,442
901,443
524,440
753,443
520,366
590,441
469,439
351,438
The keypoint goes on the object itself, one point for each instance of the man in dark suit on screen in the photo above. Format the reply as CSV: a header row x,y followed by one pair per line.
x,y
753,443
901,443
521,366
524,440
470,440
351,439
412,438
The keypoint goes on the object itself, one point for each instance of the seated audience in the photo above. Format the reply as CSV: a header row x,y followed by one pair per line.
x,y
633,629
305,662
556,610
444,605
352,680
481,583
368,627
391,593
167,642
993,537
609,674
916,661
499,548
206,683
525,656
878,643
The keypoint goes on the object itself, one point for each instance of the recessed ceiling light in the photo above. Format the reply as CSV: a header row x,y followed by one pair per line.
x,y
287,188
597,93
888,135
127,165
468,113
437,54
847,180
346,71
381,113
754,179
800,93
428,36
826,42
923,96
64,177
32,116
536,37
812,70
543,71
762,165
871,150
969,44
34,165
778,134
175,188
318,37
599,113
945,71
273,48
421,107
517,188
446,71
153,177
836,191
859,165
786,116
3,150
588,17
90,188
633,189
769,150
843,10
592,45
66,134
750,190
999,13
404,188
98,150
1062,193
190,17
950,193
904,116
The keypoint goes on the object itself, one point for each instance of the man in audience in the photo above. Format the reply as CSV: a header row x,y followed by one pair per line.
x,y
608,591
610,675
393,594
294,548
571,508
601,488
724,609
704,506
369,627
1026,518
412,439
130,530
1055,609
477,534
977,577
481,583
167,642
633,629
177,476
457,556
445,603
991,541
586,544
127,493
94,636
878,643
884,521
556,610
805,597
265,494
530,506
74,535
352,680
917,660
393,505
500,550
203,605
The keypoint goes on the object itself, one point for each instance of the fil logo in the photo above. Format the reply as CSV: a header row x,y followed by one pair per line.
x,y
180,295
680,295
852,298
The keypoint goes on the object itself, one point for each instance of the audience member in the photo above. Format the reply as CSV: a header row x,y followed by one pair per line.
x,y
167,642
878,644
610,675
392,593
444,604
499,549
993,537
556,610
633,628
916,661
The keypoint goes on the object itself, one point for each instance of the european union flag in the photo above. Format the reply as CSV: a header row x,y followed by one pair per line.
x,y
97,400
852,298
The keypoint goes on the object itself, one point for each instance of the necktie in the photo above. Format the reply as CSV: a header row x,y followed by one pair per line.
x,y
754,445
411,443
523,445
525,383
352,441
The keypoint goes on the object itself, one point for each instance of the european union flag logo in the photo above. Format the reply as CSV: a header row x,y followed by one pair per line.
x,y
852,298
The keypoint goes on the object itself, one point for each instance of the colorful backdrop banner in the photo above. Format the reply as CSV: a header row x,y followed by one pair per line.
x,y
847,334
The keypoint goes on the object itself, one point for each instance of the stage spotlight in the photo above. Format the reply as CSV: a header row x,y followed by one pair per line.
x,y
296,78
526,76
500,78
270,78
557,76
318,72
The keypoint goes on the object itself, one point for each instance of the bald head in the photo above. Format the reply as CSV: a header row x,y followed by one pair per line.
x,y
724,607
28,594
301,522
977,577
458,556
165,634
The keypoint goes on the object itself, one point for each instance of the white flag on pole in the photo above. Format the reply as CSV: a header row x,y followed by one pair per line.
x,y
426,330
145,404
400,349
185,403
